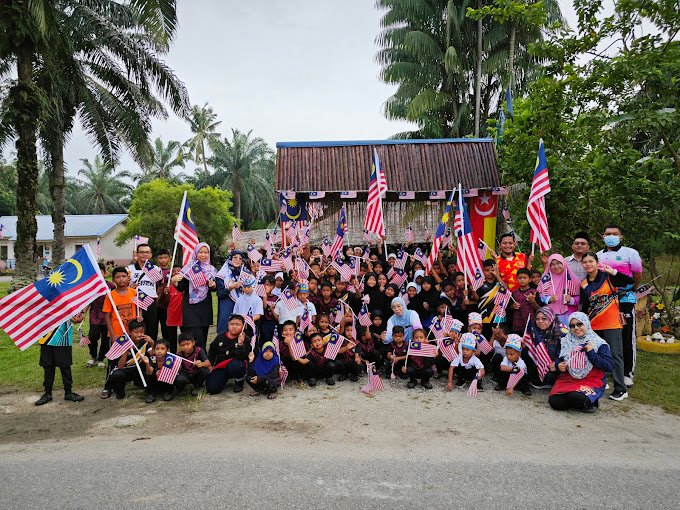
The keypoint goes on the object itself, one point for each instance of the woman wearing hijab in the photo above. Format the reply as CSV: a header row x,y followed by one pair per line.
x,y
390,292
407,319
560,288
547,328
425,302
263,374
228,288
584,359
372,290
197,307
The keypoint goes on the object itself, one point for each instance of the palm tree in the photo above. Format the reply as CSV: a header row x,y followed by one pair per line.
x,y
38,32
203,123
164,158
103,189
244,165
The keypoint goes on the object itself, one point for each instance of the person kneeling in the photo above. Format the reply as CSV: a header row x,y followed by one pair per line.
x,y
157,387
315,365
419,367
263,373
228,354
195,369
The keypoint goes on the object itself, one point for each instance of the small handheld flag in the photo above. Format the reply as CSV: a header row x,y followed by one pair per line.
x,y
473,390
119,347
170,369
289,300
416,349
143,300
333,346
195,274
297,347
514,378
185,230
152,272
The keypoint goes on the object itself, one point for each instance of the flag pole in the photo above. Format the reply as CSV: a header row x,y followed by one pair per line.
x,y
174,251
462,245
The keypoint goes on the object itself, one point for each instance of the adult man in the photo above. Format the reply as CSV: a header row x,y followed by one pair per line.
x,y
140,281
579,246
627,261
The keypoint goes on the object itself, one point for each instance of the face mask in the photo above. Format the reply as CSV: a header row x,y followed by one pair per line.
x,y
612,241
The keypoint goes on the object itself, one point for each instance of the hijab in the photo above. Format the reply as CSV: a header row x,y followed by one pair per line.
x,y
196,295
421,273
263,367
229,270
429,296
403,320
550,336
570,341
558,286
377,299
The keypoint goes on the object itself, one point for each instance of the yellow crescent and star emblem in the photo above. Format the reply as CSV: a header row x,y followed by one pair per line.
x,y
191,220
58,276
291,205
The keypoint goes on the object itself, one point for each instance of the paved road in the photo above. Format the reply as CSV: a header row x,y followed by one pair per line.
x,y
222,473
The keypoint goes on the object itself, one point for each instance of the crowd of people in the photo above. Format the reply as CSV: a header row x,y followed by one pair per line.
x,y
300,316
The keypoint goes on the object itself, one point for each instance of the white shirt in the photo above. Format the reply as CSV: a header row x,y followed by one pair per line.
x,y
519,364
248,305
473,362
285,314
139,277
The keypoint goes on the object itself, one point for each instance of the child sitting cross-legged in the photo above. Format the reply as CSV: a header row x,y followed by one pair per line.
x,y
196,369
315,365
157,387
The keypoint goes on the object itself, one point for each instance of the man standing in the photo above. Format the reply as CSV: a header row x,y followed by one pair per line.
x,y
140,281
579,247
625,260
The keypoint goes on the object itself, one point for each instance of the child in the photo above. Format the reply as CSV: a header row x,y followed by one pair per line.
x,y
174,312
396,353
228,354
123,298
269,300
377,328
287,336
525,301
419,367
304,303
157,387
163,261
125,368
441,362
249,303
365,351
467,366
323,324
486,294
263,373
315,365
345,361
56,350
512,363
98,330
196,370
535,278
475,326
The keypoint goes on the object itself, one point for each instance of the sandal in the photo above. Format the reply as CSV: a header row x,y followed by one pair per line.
x,y
254,394
271,396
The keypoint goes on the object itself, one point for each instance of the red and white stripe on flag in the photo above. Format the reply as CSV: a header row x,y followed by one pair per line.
x,y
170,369
297,347
484,345
473,391
143,300
185,231
195,274
536,214
373,378
421,349
514,378
448,349
364,316
374,221
577,358
539,353
333,346
119,347
469,261
289,300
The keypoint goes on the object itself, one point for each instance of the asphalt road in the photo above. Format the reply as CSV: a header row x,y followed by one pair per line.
x,y
211,472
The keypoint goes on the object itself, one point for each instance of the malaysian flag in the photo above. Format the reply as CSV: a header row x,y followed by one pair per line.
x,y
545,286
448,349
643,290
374,221
170,369
374,381
143,300
540,187
152,272
399,277
289,300
364,316
514,378
283,374
236,234
84,340
287,261
297,346
185,230
333,346
420,257
539,353
406,195
473,391
481,247
468,253
344,270
259,289
484,344
140,240
326,246
305,321
303,235
402,258
248,320
409,236
577,358
446,240
348,194
573,286
422,349
30,313
439,234
122,344
501,301
302,268
339,313
437,329
253,253
195,274
271,265
340,232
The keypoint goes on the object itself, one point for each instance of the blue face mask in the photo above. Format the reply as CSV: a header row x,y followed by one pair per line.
x,y
612,241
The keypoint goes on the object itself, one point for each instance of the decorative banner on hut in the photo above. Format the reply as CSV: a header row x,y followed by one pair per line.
x,y
316,195
470,192
483,211
348,194
407,195
437,195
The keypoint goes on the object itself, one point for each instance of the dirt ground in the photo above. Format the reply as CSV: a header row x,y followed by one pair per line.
x,y
337,417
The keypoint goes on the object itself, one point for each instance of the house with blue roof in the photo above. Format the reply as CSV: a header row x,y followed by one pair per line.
x,y
92,229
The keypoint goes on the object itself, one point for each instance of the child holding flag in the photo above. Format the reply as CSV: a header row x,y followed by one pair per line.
x,y
263,373
125,369
419,367
315,365
467,366
195,366
513,364
156,386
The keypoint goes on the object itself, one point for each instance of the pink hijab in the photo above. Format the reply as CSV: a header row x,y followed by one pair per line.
x,y
556,284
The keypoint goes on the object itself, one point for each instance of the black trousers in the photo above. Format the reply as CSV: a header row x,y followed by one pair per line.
x,y
571,400
502,379
120,376
156,386
424,374
312,371
150,317
218,378
98,332
397,370
200,334
629,339
264,386
372,357
465,374
66,378
198,378
347,367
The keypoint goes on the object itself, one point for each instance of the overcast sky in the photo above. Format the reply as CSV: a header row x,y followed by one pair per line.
x,y
290,70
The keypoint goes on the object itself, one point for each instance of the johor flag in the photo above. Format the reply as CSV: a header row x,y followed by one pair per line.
x,y
185,230
119,347
170,369
30,313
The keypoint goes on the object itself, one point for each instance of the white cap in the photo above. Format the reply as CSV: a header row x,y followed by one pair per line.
x,y
278,275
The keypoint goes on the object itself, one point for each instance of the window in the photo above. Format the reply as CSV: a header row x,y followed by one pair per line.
x,y
79,246
4,252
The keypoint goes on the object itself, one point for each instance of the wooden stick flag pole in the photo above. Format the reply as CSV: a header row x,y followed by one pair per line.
x,y
174,251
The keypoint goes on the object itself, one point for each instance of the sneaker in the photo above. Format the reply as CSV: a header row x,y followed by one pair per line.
x,y
101,365
480,388
44,399
342,377
354,377
150,398
619,395
105,394
526,392
411,384
91,363
311,382
73,397
540,386
330,381
121,395
427,385
238,387
628,381
589,410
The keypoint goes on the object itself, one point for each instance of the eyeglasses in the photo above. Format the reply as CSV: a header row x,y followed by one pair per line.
x,y
576,325
144,252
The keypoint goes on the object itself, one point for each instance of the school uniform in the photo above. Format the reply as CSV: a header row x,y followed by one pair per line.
x,y
190,373
267,383
396,351
157,387
319,367
502,377
129,373
419,367
56,350
229,361
466,371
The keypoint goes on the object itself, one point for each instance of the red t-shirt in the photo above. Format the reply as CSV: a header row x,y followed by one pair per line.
x,y
174,307
508,269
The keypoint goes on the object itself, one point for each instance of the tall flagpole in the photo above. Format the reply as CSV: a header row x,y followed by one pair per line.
x,y
174,251
461,246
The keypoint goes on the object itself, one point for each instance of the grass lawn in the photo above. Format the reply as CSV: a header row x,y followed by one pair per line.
x,y
657,380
